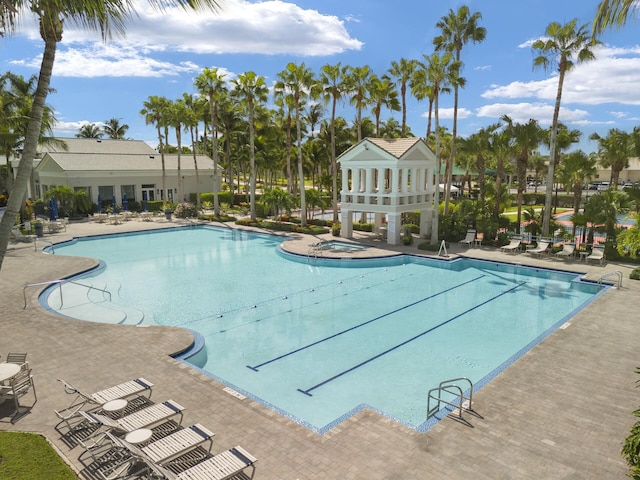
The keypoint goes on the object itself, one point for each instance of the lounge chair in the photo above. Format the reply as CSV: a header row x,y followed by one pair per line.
x,y
514,245
469,239
540,249
168,448
148,417
568,251
18,236
18,386
222,466
145,418
92,401
597,254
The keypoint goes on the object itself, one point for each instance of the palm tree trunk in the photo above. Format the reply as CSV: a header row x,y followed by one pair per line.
x,y
334,164
546,220
436,195
32,135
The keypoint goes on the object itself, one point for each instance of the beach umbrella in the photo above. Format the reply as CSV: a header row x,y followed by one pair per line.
x,y
125,203
99,203
115,205
52,216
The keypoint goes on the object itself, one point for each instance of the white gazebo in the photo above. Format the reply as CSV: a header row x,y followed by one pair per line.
x,y
387,177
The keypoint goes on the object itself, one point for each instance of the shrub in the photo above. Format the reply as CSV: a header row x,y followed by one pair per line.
x,y
363,227
635,274
185,210
429,248
335,229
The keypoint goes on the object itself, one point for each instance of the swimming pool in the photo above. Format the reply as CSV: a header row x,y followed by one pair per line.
x,y
318,341
338,246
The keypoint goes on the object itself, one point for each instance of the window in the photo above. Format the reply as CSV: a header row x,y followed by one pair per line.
x,y
129,191
105,192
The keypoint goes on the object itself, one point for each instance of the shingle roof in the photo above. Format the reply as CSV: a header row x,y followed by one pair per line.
x,y
124,162
395,146
100,146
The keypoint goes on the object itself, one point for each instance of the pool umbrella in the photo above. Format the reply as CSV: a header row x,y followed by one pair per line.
x,y
52,216
146,204
55,208
115,205
125,203
99,203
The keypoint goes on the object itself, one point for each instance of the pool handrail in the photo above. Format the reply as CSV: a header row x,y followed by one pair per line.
x,y
59,282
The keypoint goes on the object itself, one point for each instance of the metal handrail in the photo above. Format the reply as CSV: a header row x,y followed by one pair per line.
x,y
53,250
449,386
59,282
617,273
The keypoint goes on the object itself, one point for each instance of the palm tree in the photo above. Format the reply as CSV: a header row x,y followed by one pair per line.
x,y
577,167
211,84
251,90
421,89
456,30
89,130
563,46
614,151
107,17
524,139
332,88
441,72
298,80
358,82
479,145
155,111
194,108
175,119
114,129
612,13
383,94
403,72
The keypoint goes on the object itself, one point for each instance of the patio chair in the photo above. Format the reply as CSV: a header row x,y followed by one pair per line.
x,y
540,249
17,236
18,386
168,448
145,418
92,401
469,239
597,255
221,466
514,244
568,251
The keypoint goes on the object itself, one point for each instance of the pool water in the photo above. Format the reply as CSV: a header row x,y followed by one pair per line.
x,y
338,246
319,341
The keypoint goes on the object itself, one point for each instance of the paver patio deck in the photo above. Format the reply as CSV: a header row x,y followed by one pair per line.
x,y
562,411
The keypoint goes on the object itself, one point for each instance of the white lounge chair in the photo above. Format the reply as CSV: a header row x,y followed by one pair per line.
x,y
597,254
145,418
568,251
221,466
469,239
514,245
92,401
168,448
540,249
18,236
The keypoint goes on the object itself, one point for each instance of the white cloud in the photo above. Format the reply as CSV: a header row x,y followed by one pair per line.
x,y
612,78
447,113
522,112
269,27
484,68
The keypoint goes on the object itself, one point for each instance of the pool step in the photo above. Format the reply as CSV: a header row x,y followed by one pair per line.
x,y
88,301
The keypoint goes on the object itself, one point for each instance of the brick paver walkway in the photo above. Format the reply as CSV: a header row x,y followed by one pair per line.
x,y
560,412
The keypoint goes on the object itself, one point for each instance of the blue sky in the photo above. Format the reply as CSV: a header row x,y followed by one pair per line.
x,y
163,52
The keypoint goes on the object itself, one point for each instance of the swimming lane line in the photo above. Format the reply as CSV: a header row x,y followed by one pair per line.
x,y
306,392
256,367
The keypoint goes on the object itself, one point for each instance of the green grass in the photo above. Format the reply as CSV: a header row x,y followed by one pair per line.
x,y
26,456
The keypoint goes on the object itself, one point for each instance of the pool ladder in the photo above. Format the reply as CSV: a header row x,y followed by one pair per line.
x,y
451,387
616,273
315,251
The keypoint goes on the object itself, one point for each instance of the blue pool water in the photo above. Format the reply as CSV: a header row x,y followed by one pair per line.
x,y
320,340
